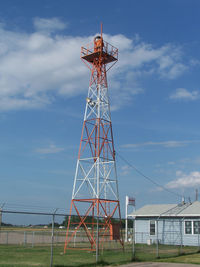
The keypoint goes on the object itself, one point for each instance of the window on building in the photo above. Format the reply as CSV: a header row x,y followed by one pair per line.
x,y
152,227
188,227
196,227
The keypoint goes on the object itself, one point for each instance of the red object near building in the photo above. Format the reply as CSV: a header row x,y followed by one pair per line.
x,y
115,231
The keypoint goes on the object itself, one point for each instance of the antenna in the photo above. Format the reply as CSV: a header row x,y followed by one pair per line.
x,y
197,194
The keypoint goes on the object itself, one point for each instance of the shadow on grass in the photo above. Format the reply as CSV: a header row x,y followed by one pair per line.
x,y
100,263
135,259
163,258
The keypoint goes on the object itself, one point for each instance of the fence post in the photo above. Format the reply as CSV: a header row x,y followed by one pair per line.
x,y
33,235
75,240
157,243
0,217
24,238
0,221
97,240
133,241
52,237
181,227
126,219
1,209
56,238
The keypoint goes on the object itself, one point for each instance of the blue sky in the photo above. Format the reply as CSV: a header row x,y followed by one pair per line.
x,y
154,89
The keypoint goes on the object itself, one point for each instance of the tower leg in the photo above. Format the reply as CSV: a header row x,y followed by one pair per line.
x,y
68,224
97,224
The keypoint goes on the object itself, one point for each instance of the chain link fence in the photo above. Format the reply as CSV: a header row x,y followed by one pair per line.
x,y
35,232
41,237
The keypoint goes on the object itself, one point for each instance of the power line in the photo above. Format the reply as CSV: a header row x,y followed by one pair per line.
x,y
147,177
11,205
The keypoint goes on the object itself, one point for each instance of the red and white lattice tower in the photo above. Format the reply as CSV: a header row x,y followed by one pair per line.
x,y
95,190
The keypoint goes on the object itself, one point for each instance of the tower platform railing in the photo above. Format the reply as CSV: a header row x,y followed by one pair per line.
x,y
89,51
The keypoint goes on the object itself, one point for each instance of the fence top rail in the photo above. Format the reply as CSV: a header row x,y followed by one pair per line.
x,y
34,213
44,213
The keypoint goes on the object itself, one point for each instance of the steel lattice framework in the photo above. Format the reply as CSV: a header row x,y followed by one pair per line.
x,y
95,183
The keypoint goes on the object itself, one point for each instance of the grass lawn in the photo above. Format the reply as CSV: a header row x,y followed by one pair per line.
x,y
190,259
20,256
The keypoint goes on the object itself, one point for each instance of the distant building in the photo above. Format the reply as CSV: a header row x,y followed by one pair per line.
x,y
171,224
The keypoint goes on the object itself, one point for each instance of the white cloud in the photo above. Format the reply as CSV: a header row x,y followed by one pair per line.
x,y
194,62
184,94
36,68
165,61
176,70
171,163
169,144
125,170
185,180
51,149
197,161
49,25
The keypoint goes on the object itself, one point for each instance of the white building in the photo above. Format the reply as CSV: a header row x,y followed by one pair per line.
x,y
171,224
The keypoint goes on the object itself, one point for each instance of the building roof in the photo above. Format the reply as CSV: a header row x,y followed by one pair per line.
x,y
166,210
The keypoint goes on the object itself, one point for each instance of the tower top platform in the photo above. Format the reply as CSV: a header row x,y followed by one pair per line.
x,y
94,50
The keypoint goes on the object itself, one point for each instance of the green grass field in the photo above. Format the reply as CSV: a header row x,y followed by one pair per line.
x,y
20,256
